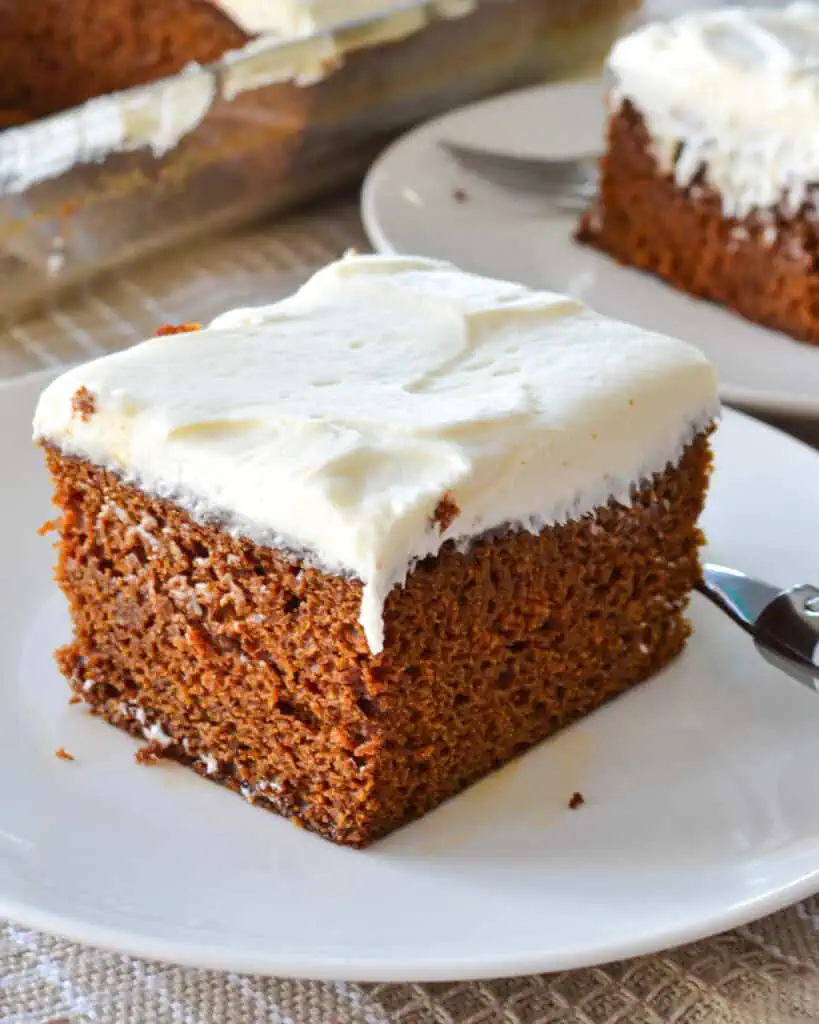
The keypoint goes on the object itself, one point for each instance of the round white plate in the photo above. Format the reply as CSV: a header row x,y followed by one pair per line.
x,y
409,206
701,805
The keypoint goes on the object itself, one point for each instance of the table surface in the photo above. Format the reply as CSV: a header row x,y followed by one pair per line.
x,y
765,972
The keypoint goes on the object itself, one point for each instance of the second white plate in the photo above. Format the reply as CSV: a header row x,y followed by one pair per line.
x,y
409,205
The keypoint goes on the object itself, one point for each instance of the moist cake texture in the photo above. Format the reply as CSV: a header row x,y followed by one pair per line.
x,y
712,161
56,54
348,553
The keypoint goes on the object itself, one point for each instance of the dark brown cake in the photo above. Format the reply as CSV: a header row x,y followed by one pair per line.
x,y
253,668
55,54
765,266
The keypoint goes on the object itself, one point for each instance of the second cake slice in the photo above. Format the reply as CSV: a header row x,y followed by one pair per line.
x,y
712,163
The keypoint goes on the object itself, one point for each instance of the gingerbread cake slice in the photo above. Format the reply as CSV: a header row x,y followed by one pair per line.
x,y
710,175
348,553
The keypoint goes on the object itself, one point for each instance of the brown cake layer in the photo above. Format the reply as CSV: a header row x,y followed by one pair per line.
x,y
257,672
55,54
765,266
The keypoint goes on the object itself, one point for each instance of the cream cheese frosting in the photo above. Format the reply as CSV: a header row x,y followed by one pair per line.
x,y
732,91
156,116
332,423
303,17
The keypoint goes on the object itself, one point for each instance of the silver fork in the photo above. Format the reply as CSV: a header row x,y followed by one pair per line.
x,y
568,184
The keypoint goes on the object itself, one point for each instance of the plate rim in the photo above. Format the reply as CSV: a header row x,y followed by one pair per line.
x,y
363,969
773,402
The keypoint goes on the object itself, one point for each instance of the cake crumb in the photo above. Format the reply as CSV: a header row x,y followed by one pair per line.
x,y
446,512
75,699
63,754
186,328
577,800
460,195
50,526
83,404
329,64
150,753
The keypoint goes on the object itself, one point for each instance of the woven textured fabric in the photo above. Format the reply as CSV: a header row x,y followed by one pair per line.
x,y
767,973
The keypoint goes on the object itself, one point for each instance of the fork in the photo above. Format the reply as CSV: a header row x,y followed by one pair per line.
x,y
569,184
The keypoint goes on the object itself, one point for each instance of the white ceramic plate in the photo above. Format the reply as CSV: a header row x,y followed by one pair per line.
x,y
701,804
408,206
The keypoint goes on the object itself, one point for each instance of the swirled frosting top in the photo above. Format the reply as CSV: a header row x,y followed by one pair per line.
x,y
734,91
334,422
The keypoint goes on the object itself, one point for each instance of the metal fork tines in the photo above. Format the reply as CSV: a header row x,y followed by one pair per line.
x,y
571,182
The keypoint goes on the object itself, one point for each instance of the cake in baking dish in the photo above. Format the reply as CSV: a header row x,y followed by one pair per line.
x,y
712,163
57,54
348,553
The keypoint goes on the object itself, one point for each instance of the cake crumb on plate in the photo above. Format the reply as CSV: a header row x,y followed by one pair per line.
x,y
150,753
185,328
49,526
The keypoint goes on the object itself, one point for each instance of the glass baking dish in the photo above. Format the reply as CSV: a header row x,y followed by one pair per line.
x,y
266,128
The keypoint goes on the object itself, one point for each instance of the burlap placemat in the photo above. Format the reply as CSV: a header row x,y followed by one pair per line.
x,y
766,973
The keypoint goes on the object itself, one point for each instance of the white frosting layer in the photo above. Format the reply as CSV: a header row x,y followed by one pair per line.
x,y
738,89
334,422
308,59
155,116
304,17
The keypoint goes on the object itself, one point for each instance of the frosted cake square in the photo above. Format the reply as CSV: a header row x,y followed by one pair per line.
x,y
348,553
710,174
